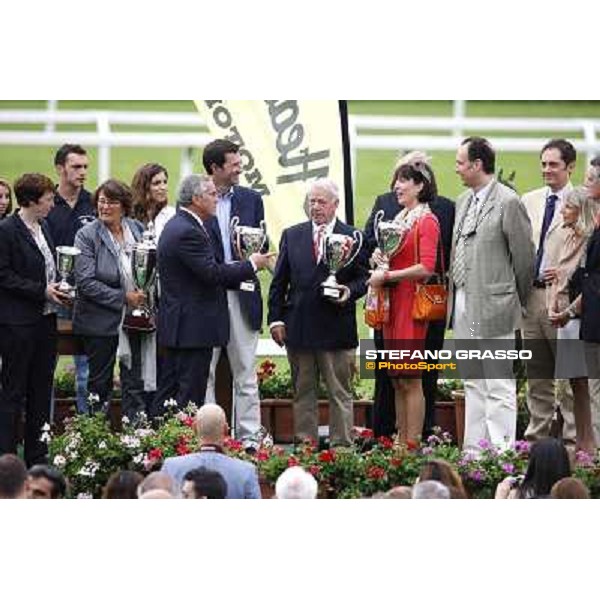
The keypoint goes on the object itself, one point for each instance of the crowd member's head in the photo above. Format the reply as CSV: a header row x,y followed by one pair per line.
x,y
45,483
558,158
414,183
203,484
150,191
122,485
570,488
430,490
158,480
323,198
13,477
71,164
157,494
222,161
198,194
592,179
579,211
475,162
400,492
113,201
296,484
211,424
34,193
548,462
442,471
5,199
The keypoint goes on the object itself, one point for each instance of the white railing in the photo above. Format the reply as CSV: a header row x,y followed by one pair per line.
x,y
366,132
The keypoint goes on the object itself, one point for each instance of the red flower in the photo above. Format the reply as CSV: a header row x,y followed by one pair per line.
x,y
411,445
155,454
385,442
396,462
182,449
189,422
326,456
314,470
232,444
262,455
366,434
293,461
375,472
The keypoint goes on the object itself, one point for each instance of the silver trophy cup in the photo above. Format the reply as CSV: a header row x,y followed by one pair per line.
x,y
65,264
246,241
143,269
388,236
338,251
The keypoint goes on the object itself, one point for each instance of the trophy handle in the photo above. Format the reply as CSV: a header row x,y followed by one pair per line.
x,y
263,226
358,238
378,218
235,236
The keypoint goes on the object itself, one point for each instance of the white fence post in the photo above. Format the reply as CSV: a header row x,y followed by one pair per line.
x,y
51,110
103,147
459,115
187,166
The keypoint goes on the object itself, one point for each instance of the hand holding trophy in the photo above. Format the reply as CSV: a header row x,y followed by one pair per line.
x,y
338,251
143,269
65,264
247,241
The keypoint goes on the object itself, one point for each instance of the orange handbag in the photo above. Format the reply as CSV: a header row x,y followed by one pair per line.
x,y
431,297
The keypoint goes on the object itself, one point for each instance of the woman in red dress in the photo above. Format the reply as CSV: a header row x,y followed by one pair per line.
x,y
414,261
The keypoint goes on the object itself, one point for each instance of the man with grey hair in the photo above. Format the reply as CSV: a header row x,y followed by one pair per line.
x,y
193,316
319,330
430,490
157,481
296,484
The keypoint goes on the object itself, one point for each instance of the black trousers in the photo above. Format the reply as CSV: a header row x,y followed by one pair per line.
x,y
102,353
183,377
28,359
384,408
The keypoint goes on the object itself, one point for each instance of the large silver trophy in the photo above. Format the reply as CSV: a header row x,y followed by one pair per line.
x,y
143,270
65,265
388,236
338,251
246,241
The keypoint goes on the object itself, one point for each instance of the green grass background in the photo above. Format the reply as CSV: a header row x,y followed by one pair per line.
x,y
373,168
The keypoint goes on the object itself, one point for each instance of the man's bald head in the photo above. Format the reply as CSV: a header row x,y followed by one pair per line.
x,y
158,481
211,424
156,495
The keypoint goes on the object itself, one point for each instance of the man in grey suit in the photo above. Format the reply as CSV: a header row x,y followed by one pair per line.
x,y
492,272
211,426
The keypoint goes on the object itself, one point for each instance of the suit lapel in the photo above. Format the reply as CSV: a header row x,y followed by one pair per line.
x,y
488,204
107,241
25,233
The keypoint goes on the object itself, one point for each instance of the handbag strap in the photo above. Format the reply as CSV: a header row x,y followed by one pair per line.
x,y
439,249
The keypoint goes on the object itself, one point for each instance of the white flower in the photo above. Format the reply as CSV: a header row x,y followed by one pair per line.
x,y
93,398
141,433
85,472
171,402
46,427
45,437
59,461
138,459
84,496
102,445
125,420
130,441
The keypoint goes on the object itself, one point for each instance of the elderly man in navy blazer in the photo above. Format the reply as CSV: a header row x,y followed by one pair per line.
x,y
211,426
222,161
320,333
193,316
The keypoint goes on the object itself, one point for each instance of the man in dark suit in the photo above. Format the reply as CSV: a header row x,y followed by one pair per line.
x,y
384,412
28,299
222,161
319,332
193,316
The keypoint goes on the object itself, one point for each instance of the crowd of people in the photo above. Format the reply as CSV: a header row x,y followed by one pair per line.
x,y
519,269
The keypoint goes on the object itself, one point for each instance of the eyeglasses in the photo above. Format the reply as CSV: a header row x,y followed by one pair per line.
x,y
108,202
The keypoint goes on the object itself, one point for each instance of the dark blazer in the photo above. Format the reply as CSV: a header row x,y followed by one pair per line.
x,y
100,295
590,290
248,206
22,273
314,323
442,208
193,304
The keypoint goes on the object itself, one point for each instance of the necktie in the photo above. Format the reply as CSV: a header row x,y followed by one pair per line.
x,y
318,241
548,216
468,226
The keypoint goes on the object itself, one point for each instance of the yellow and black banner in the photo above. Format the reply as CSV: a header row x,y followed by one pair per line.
x,y
284,144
